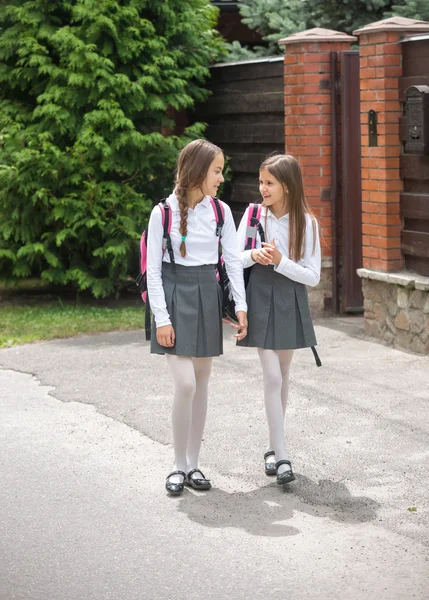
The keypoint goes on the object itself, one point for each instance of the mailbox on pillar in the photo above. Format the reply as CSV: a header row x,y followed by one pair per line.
x,y
417,119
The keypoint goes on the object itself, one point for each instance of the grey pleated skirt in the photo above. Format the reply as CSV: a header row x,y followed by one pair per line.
x,y
194,303
278,312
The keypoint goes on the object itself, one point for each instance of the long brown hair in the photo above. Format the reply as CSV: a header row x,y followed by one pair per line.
x,y
192,165
285,168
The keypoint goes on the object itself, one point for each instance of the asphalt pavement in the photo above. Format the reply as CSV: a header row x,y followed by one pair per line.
x,y
85,442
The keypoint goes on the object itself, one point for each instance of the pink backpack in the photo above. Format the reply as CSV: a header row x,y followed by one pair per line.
x,y
254,225
141,279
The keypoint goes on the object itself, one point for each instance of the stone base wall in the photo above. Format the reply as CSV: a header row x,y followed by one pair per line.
x,y
396,313
320,296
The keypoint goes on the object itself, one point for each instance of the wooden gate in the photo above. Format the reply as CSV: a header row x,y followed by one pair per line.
x,y
346,188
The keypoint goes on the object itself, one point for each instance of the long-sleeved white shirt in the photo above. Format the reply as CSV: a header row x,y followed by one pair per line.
x,y
307,269
201,249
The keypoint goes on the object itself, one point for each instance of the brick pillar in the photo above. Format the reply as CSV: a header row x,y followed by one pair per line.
x,y
307,78
395,301
381,68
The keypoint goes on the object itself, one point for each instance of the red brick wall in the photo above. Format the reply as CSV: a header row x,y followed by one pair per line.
x,y
308,123
381,68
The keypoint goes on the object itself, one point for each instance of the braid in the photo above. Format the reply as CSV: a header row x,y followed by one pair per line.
x,y
183,205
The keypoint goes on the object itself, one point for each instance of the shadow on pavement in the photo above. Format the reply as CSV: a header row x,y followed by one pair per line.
x,y
263,511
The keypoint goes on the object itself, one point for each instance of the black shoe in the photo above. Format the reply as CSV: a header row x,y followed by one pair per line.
x,y
175,489
198,483
287,476
270,467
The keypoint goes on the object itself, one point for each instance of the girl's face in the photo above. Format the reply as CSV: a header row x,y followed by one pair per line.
x,y
214,176
271,189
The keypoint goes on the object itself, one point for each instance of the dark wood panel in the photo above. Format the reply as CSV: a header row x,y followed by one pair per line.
x,y
415,166
414,186
406,82
237,209
271,84
248,162
415,206
415,243
247,119
232,104
247,133
419,265
416,225
350,186
265,150
243,193
251,70
415,56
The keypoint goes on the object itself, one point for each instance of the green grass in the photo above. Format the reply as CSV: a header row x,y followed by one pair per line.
x,y
23,324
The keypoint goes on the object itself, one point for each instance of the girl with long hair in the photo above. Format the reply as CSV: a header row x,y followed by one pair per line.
x,y
278,310
186,299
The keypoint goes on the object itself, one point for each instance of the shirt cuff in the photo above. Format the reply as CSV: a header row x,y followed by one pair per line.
x,y
240,307
163,323
282,266
246,258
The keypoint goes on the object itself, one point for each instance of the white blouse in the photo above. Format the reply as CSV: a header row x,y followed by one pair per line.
x,y
201,249
307,269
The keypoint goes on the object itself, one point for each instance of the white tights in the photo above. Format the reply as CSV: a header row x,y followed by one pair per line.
x,y
191,378
275,371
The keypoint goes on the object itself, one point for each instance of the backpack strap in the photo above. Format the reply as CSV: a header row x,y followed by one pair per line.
x,y
141,277
166,223
147,321
254,226
316,356
219,213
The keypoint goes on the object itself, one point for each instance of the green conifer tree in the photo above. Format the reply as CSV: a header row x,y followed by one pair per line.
x,y
86,89
412,9
346,15
275,19
272,19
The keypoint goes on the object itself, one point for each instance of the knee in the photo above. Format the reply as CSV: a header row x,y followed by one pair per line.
x,y
273,382
187,387
272,378
203,367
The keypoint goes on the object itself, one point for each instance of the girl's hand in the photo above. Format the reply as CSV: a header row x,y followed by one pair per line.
x,y
276,255
165,336
242,325
263,256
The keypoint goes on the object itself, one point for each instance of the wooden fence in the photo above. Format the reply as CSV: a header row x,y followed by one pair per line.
x,y
245,116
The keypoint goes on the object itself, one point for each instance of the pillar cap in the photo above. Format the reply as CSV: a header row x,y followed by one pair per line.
x,y
394,24
318,34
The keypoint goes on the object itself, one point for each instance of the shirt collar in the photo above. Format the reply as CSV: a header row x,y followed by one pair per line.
x,y
205,201
265,212
174,202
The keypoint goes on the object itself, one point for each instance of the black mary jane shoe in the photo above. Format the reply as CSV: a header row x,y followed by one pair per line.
x,y
270,467
198,483
287,476
175,489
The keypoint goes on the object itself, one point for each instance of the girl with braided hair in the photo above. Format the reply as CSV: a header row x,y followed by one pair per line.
x,y
186,299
